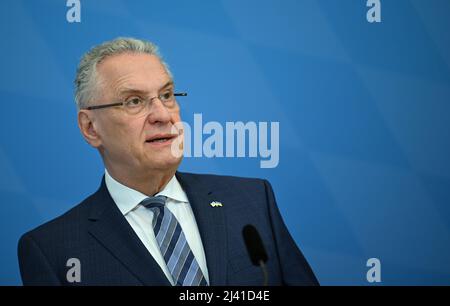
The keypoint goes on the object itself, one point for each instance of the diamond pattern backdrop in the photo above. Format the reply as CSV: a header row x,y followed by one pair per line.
x,y
363,108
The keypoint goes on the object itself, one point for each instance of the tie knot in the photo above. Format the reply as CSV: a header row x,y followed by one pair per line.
x,y
154,202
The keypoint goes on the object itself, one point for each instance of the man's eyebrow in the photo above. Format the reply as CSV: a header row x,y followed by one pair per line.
x,y
126,90
167,85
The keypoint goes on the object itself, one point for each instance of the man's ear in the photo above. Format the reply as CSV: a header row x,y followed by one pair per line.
x,y
87,128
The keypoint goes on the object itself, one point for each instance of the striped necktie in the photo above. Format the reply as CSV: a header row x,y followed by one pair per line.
x,y
174,248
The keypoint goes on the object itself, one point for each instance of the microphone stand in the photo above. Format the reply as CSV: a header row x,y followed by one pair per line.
x,y
264,270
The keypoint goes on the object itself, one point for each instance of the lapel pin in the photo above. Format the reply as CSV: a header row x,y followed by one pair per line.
x,y
215,204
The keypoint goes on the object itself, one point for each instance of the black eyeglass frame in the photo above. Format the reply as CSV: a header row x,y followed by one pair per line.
x,y
178,94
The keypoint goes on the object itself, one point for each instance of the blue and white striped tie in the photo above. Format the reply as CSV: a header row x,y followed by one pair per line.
x,y
177,254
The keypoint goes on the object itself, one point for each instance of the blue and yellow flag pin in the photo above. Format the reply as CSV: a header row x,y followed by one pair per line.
x,y
215,204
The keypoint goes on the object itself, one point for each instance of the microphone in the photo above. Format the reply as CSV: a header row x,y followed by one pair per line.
x,y
255,249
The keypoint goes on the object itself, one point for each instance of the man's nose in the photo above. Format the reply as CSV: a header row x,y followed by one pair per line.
x,y
158,112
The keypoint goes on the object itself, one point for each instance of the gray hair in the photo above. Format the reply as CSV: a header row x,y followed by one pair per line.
x,y
86,80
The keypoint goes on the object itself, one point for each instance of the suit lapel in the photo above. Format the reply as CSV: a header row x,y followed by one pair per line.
x,y
112,230
211,224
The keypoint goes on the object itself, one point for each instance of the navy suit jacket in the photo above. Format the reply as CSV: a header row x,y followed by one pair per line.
x,y
110,253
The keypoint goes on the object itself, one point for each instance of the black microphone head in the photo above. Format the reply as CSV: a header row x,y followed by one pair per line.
x,y
255,247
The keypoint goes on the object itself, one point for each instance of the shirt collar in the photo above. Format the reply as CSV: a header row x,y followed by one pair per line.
x,y
128,199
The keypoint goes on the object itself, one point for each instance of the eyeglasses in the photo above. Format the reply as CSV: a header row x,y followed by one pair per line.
x,y
136,105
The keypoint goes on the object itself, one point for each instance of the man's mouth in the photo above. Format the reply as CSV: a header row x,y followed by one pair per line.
x,y
161,138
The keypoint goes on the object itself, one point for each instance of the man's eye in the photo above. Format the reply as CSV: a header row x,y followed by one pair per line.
x,y
134,102
167,96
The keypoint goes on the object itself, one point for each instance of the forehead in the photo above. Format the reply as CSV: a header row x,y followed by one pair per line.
x,y
138,70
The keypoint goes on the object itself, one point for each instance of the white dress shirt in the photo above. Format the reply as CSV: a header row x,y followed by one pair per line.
x,y
140,219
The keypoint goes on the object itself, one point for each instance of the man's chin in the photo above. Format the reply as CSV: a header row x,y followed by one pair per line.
x,y
167,164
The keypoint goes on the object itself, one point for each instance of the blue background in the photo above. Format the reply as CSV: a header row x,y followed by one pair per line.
x,y
363,109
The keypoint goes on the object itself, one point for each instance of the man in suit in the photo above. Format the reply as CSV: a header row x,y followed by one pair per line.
x,y
149,224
